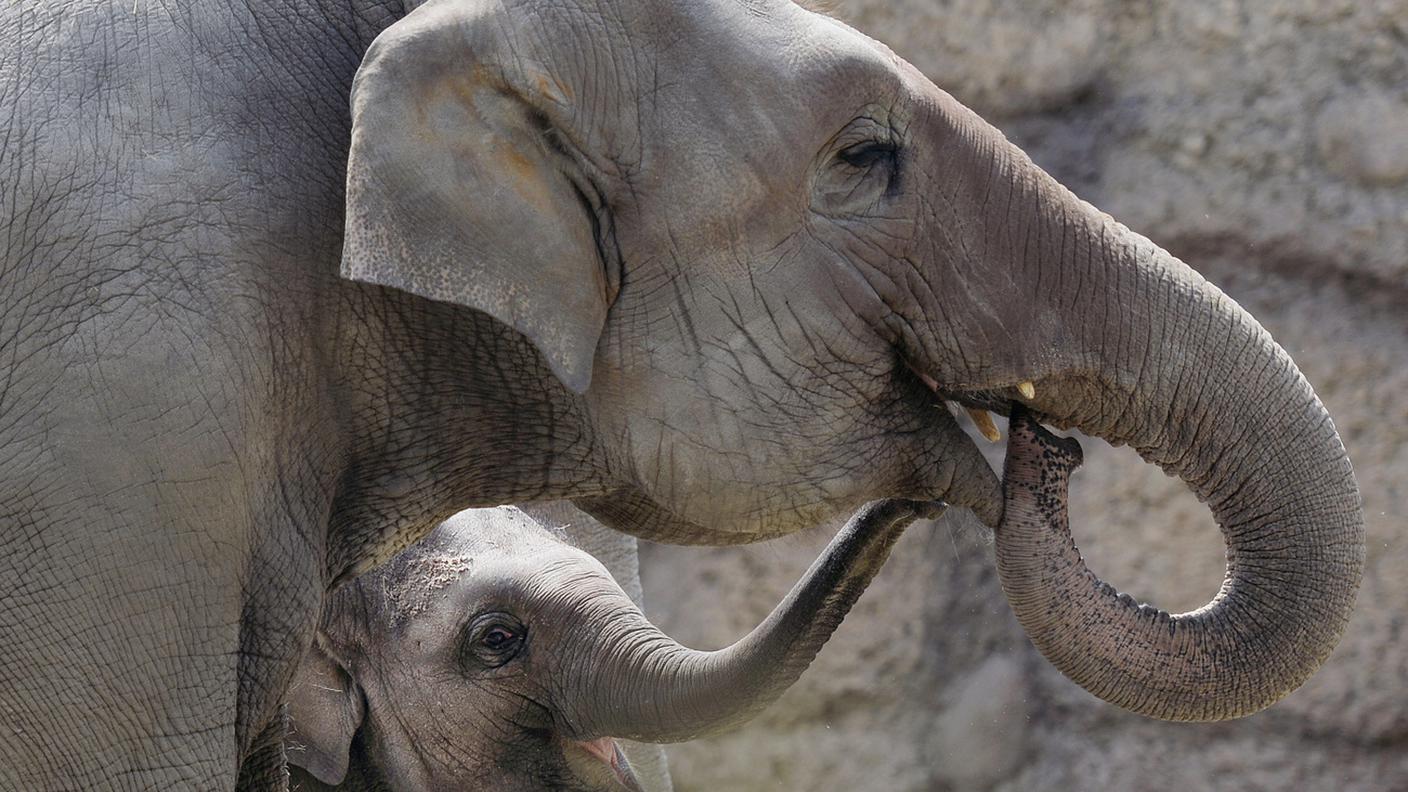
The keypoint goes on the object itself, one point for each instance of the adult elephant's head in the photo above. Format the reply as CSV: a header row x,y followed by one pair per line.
x,y
761,250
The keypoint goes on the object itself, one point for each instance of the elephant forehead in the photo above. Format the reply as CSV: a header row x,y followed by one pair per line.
x,y
412,584
763,91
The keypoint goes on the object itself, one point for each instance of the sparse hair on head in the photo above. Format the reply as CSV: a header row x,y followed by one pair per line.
x,y
827,7
406,585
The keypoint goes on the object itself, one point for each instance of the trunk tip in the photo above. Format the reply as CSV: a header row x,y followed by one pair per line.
x,y
1025,431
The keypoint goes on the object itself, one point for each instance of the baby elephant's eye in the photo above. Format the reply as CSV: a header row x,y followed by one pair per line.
x,y
497,638
493,639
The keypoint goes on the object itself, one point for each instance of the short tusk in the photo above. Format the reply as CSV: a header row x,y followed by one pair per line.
x,y
983,420
1027,389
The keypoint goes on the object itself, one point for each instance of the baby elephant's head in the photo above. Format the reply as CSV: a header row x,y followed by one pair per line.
x,y
495,656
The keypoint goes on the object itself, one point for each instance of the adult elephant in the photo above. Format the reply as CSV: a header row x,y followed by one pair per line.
x,y
706,268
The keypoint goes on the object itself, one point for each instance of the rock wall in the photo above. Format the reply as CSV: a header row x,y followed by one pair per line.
x,y
1266,143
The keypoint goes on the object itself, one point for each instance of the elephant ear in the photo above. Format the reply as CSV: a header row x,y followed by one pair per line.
x,y
455,193
325,708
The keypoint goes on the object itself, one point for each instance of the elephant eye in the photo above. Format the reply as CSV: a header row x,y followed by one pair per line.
x,y
497,638
867,154
493,639
861,170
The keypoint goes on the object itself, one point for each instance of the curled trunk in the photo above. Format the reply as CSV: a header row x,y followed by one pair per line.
x,y
1237,422
653,689
1092,326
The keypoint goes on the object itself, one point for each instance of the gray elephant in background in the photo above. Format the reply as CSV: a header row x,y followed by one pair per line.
x,y
284,285
493,655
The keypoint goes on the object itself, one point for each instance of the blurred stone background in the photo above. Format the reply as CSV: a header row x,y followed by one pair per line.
x,y
1265,143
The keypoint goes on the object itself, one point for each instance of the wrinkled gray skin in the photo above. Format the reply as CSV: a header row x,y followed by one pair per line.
x,y
477,658
704,267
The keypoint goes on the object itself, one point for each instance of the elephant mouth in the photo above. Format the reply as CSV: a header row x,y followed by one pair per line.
x,y
608,753
980,405
981,402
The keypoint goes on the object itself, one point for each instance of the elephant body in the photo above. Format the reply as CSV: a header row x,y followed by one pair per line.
x,y
711,288
171,225
193,397
493,655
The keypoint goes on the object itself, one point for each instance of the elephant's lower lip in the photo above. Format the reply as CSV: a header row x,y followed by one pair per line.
x,y
608,752
974,486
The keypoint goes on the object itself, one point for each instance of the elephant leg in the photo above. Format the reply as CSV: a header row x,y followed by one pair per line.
x,y
265,768
117,655
617,552
147,626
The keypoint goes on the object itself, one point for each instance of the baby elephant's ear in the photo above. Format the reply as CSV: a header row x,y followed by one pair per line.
x,y
325,709
457,192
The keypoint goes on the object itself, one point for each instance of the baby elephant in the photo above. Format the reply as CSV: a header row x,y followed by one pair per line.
x,y
495,656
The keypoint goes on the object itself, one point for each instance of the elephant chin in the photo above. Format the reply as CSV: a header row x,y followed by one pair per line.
x,y
967,481
956,474
970,484
633,512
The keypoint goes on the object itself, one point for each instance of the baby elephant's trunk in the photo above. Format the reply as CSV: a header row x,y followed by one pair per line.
x,y
660,691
